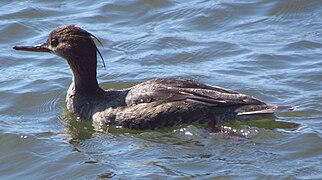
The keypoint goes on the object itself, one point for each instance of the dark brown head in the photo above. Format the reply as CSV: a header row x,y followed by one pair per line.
x,y
64,41
77,47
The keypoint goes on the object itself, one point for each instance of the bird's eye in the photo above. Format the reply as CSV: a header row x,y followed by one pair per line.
x,y
54,42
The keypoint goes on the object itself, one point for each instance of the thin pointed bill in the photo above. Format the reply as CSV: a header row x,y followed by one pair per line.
x,y
36,48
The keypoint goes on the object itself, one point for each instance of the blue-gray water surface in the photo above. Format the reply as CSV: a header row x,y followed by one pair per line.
x,y
269,49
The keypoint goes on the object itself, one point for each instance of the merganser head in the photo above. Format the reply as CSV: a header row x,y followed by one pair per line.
x,y
77,47
65,41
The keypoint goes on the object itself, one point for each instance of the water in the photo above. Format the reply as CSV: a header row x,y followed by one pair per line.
x,y
269,49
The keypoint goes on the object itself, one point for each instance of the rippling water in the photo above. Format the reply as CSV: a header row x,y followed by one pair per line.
x,y
269,49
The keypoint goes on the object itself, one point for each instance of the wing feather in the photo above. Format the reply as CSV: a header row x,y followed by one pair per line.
x,y
169,89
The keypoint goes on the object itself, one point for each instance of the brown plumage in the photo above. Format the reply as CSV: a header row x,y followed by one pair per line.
x,y
153,104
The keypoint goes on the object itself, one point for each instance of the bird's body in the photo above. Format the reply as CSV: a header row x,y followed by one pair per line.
x,y
159,103
153,104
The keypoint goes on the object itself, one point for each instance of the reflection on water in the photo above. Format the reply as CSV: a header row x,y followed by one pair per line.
x,y
79,130
268,49
76,130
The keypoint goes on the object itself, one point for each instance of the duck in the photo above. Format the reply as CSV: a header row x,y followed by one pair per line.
x,y
154,104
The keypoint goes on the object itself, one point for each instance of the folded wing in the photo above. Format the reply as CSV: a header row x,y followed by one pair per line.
x,y
168,90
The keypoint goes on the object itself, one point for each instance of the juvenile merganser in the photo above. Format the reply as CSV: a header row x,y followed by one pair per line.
x,y
153,104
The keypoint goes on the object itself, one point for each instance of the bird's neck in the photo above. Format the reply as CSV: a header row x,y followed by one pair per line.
x,y
84,72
